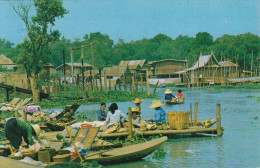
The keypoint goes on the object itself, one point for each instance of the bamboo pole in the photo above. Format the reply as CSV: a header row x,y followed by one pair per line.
x,y
100,81
82,71
59,87
48,90
133,83
73,142
147,82
105,82
219,129
119,85
129,123
195,113
191,114
64,71
142,85
109,84
155,87
125,86
72,68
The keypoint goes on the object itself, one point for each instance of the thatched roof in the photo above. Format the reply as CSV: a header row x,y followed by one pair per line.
x,y
227,64
132,64
154,62
114,71
204,60
5,61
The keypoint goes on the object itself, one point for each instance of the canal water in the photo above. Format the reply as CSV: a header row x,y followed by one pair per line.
x,y
238,147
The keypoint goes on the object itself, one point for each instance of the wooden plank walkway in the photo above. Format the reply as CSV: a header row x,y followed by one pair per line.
x,y
18,89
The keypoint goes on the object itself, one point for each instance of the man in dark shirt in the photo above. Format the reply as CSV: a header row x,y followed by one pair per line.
x,y
101,112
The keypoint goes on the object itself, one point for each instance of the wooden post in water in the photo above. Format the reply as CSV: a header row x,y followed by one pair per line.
x,y
100,81
59,87
219,129
119,85
142,85
105,82
129,123
133,83
125,86
130,87
191,114
109,84
48,90
147,83
155,87
64,71
195,113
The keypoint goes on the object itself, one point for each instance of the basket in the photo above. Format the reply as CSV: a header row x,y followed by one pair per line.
x,y
62,158
178,120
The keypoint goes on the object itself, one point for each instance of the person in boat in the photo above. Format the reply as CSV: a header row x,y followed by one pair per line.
x,y
16,131
114,115
168,95
102,115
138,102
136,118
179,94
160,114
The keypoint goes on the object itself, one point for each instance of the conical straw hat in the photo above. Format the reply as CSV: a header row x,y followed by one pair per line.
x,y
156,103
137,100
134,109
168,91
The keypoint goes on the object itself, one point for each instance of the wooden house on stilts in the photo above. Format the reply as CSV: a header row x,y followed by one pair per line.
x,y
207,71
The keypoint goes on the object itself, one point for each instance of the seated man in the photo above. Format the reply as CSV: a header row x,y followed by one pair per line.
x,y
101,112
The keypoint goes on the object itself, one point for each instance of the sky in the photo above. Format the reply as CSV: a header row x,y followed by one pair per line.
x,y
133,20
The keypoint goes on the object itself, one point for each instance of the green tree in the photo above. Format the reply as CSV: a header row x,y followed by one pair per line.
x,y
35,50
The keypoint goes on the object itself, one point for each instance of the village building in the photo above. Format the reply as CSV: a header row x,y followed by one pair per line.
x,y
136,67
165,70
117,74
7,63
76,68
207,70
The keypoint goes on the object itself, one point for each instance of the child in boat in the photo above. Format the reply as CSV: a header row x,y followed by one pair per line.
x,y
17,130
114,115
138,102
168,95
101,112
160,114
136,118
179,94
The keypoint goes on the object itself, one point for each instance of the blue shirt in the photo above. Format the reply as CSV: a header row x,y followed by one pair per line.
x,y
160,115
169,96
101,115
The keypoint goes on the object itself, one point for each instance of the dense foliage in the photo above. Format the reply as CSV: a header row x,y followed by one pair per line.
x,y
237,48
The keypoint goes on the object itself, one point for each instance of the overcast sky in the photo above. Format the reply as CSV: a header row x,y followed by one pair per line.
x,y
138,19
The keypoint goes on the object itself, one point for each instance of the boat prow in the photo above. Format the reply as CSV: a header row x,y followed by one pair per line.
x,y
127,153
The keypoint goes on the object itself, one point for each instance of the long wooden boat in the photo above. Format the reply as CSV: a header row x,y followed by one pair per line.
x,y
127,153
175,101
58,126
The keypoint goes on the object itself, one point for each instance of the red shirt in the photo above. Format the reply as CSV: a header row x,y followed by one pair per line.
x,y
179,94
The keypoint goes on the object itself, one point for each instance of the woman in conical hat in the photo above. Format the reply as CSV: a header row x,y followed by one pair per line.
x,y
168,95
15,130
160,114
138,102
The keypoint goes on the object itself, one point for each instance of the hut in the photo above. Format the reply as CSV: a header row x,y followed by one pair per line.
x,y
6,63
77,68
165,70
116,73
207,70
136,68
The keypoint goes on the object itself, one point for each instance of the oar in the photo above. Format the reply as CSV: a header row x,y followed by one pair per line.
x,y
73,142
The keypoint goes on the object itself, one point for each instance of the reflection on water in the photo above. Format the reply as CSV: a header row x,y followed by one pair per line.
x,y
238,147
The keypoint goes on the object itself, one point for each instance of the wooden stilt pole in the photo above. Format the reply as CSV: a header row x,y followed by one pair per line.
x,y
219,129
129,123
191,114
105,82
109,84
147,82
195,113
155,87
142,85
64,71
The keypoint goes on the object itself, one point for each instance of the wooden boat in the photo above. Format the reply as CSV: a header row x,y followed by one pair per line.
x,y
58,126
176,101
67,112
127,153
